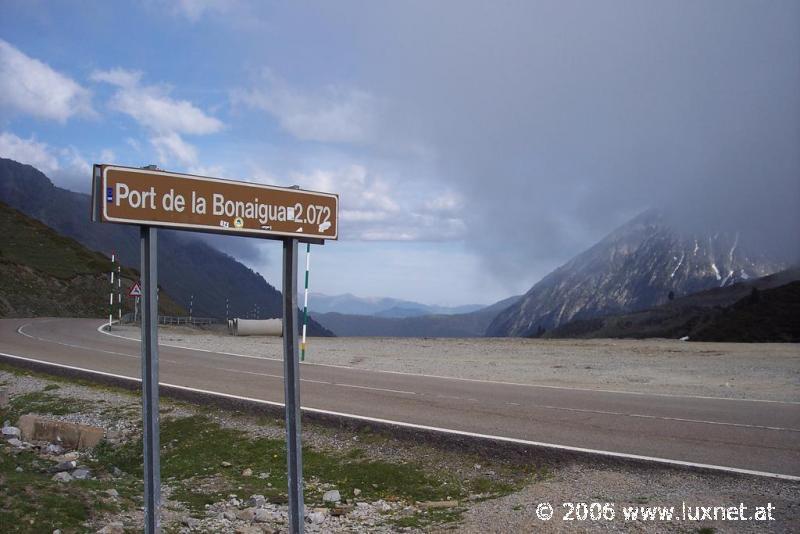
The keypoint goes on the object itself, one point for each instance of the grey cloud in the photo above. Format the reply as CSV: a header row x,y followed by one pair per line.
x,y
556,121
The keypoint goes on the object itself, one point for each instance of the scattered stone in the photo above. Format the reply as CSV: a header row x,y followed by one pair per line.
x,y
262,516
63,476
247,472
433,505
263,475
356,492
116,471
113,528
18,469
331,496
256,501
81,474
69,457
190,522
57,531
10,432
477,467
72,435
54,449
341,510
3,398
248,529
247,514
230,516
14,442
64,466
316,517
226,464
383,506
112,493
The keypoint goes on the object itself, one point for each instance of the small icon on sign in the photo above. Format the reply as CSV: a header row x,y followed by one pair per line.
x,y
266,227
238,222
109,194
324,226
299,229
225,224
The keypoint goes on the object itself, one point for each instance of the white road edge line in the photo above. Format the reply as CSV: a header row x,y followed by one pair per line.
x,y
545,386
612,454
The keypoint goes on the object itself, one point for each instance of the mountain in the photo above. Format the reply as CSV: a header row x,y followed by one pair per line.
x,y
380,306
43,273
471,324
187,264
640,265
754,310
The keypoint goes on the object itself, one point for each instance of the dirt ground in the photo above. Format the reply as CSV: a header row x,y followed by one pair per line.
x,y
769,371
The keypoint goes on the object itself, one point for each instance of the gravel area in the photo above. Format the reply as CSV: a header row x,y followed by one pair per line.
x,y
641,487
768,371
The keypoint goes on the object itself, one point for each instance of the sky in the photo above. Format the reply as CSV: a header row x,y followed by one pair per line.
x,y
475,146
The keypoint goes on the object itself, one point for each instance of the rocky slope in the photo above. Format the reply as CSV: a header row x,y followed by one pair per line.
x,y
642,264
46,274
760,309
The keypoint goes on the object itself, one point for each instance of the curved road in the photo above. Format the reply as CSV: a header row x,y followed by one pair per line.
x,y
749,435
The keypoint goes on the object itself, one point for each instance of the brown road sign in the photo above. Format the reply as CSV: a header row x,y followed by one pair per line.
x,y
186,202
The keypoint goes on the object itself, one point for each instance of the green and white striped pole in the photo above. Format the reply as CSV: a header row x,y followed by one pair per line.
x,y
305,304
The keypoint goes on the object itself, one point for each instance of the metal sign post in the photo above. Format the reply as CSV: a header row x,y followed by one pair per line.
x,y
152,468
291,378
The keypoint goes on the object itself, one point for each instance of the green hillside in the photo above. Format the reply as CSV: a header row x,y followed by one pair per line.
x,y
43,273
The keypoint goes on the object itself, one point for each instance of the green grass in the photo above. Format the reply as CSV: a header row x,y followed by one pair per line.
x,y
426,518
42,403
31,502
193,449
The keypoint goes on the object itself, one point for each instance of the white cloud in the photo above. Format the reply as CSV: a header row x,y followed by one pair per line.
x,y
171,146
376,208
164,117
31,87
336,114
152,107
29,151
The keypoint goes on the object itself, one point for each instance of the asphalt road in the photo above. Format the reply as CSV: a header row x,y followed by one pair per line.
x,y
761,436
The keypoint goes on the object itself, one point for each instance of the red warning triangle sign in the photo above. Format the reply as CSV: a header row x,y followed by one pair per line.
x,y
135,290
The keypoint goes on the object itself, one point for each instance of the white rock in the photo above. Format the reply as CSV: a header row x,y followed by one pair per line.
x,y
316,517
14,442
81,474
18,469
247,472
112,528
112,493
262,516
332,496
53,448
63,476
256,500
10,432
356,492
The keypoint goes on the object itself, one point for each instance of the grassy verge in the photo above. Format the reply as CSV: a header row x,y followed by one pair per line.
x,y
204,462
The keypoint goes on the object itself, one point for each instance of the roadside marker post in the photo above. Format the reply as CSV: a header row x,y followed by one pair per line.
x,y
305,304
151,199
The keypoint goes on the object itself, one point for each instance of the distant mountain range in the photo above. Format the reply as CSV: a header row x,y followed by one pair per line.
x,y
472,324
640,265
762,309
381,306
187,265
46,274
